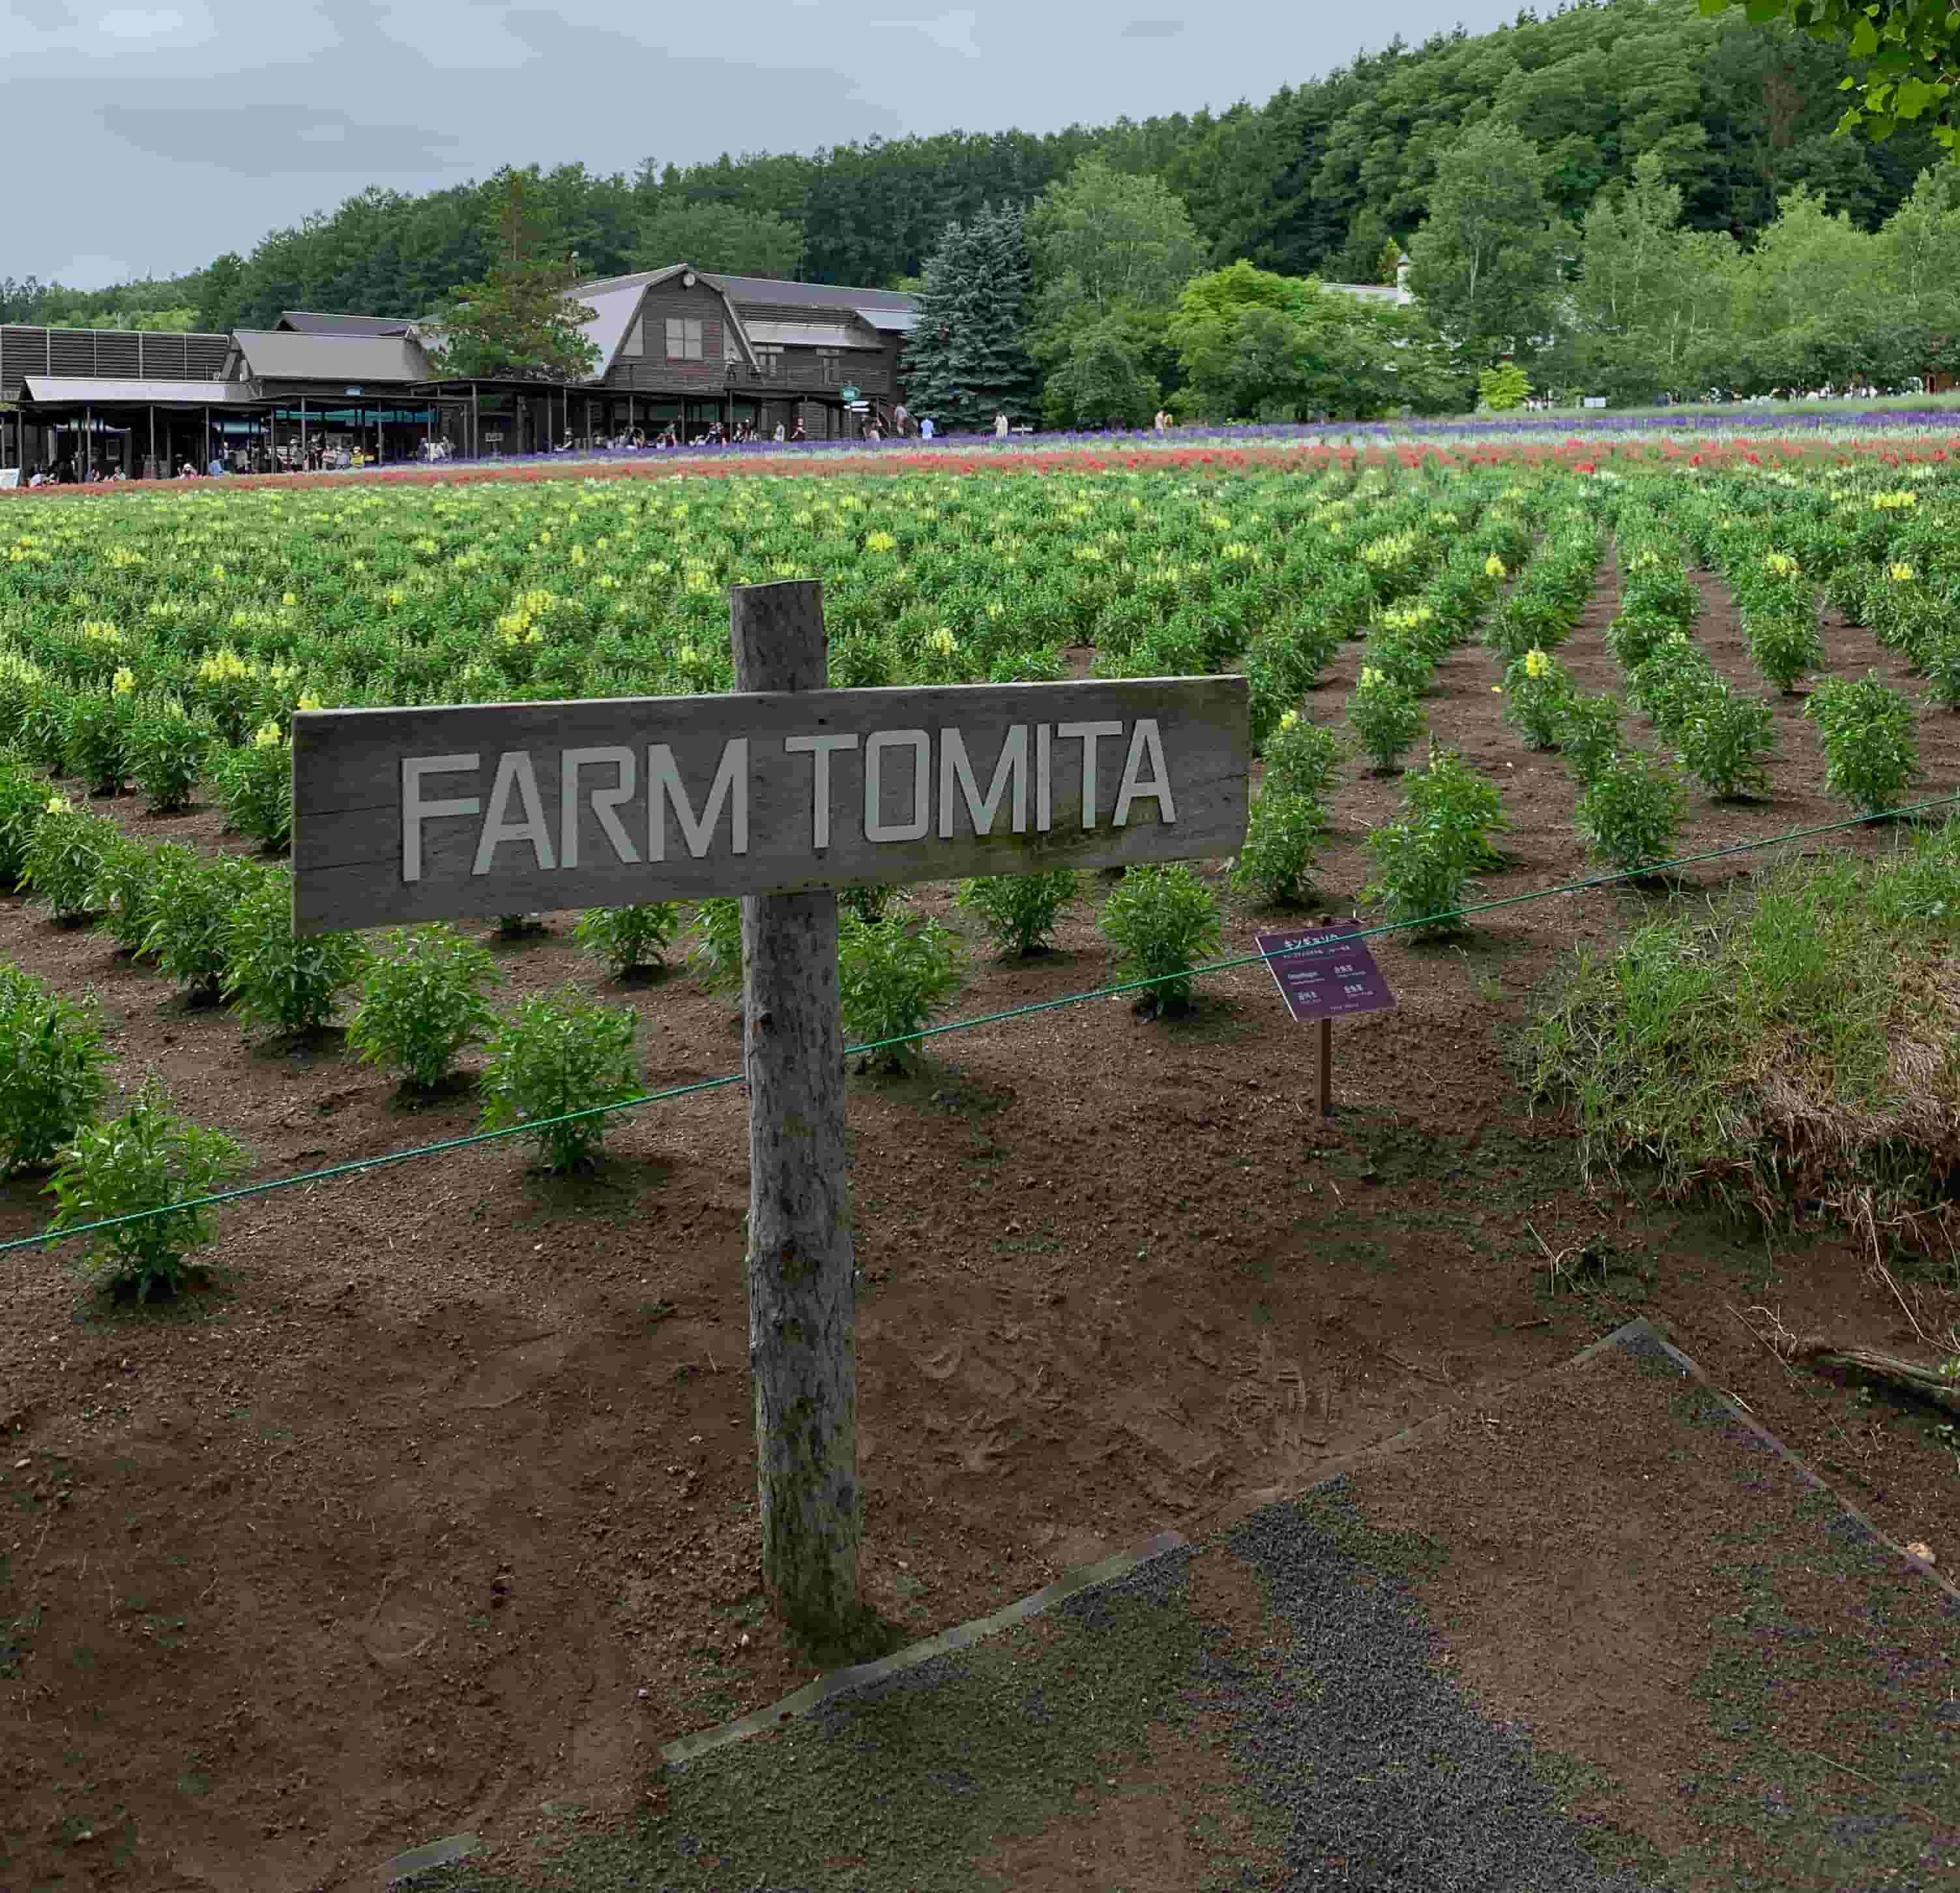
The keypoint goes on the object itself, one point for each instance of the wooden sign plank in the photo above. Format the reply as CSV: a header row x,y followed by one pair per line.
x,y
402,815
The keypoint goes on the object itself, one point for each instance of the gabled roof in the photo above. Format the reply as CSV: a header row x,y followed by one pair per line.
x,y
308,322
281,356
615,300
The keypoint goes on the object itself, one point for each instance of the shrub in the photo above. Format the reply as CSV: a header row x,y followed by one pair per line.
x,y
627,938
1785,647
869,903
893,975
1280,840
255,786
1302,757
1163,921
1589,734
1386,716
24,794
421,1004
96,741
166,750
1871,744
1939,659
52,1070
1277,675
145,1159
1673,678
273,977
1020,911
190,934
1631,811
1634,638
1420,873
1725,739
716,955
1504,387
1467,803
1537,693
64,853
125,891
556,1055
1400,656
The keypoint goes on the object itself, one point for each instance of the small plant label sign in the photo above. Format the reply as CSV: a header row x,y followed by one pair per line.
x,y
1325,975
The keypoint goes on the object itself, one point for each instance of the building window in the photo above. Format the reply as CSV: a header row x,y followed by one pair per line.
x,y
683,337
769,363
830,367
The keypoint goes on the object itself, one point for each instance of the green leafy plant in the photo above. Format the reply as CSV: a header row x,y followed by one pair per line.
x,y
1467,803
125,886
557,1054
1163,921
166,749
893,975
1386,716
1871,743
191,903
628,938
24,794
1631,811
52,1070
422,1004
146,1159
1725,739
1302,757
255,786
63,856
1020,911
1786,647
1538,692
1589,734
1281,838
1503,387
715,958
272,977
867,902
1674,676
96,741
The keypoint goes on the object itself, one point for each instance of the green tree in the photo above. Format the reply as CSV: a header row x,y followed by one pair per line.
x,y
1484,266
725,239
1102,376
966,361
1254,345
517,320
1909,49
1102,240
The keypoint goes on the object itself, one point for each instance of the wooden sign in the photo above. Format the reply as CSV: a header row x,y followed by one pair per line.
x,y
411,815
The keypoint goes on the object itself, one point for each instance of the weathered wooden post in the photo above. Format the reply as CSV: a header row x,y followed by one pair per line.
x,y
803,1316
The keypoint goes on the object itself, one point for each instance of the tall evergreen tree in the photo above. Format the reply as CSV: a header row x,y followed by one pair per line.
x,y
966,360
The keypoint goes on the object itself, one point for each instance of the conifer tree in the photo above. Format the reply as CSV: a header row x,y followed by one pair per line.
x,y
966,360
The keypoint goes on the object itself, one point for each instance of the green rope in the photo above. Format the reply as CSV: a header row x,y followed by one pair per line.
x,y
58,1235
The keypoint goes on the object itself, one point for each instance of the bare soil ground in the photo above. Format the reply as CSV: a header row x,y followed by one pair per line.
x,y
435,1510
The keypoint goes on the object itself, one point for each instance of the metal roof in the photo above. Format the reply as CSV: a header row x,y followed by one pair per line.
x,y
106,393
889,321
763,289
813,295
808,335
278,355
309,321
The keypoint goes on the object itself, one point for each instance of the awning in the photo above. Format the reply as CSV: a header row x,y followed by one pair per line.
x,y
806,335
889,321
86,391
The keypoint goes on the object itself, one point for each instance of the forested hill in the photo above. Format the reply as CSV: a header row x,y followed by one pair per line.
x,y
1316,180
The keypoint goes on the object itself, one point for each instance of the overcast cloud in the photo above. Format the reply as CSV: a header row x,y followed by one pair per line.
x,y
147,137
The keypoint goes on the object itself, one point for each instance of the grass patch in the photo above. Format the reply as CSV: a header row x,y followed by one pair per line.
x,y
1790,1047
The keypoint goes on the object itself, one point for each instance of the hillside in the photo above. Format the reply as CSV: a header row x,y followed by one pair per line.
x,y
1314,180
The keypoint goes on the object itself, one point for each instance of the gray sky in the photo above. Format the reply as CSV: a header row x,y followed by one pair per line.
x,y
163,132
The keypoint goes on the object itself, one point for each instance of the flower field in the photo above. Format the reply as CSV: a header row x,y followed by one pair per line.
x,y
459,1448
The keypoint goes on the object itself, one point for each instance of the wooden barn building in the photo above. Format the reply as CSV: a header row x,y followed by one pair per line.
x,y
678,348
